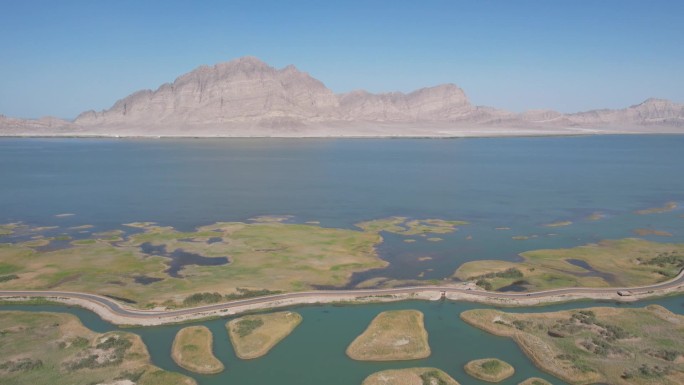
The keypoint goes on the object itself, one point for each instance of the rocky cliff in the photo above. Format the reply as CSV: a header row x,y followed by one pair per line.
x,y
652,112
241,90
247,97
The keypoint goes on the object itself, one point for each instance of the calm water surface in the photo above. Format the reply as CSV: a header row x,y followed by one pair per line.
x,y
516,183
186,183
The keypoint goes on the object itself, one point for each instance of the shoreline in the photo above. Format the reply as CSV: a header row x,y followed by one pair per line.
x,y
476,135
120,314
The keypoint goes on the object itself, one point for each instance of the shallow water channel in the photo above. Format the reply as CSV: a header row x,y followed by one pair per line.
x,y
315,352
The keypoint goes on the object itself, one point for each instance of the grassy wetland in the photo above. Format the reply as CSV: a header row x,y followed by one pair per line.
x,y
55,348
154,266
593,345
410,376
254,336
149,266
392,336
160,266
622,263
204,182
192,350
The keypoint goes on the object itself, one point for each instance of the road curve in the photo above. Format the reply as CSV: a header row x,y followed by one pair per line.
x,y
111,309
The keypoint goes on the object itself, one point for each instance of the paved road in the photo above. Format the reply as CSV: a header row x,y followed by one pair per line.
x,y
116,308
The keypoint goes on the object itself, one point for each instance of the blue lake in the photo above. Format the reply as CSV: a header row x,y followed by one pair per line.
x,y
504,187
518,184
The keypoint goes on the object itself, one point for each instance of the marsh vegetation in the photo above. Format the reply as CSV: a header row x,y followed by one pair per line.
x,y
55,348
295,257
623,263
612,345
489,369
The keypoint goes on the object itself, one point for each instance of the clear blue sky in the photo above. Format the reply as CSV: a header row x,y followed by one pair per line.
x,y
63,57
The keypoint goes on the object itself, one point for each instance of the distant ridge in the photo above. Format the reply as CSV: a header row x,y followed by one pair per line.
x,y
248,98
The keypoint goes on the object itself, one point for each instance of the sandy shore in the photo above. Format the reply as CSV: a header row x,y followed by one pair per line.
x,y
342,129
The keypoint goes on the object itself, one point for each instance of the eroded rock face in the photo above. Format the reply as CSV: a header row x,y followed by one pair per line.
x,y
247,89
247,97
441,103
650,112
46,122
241,90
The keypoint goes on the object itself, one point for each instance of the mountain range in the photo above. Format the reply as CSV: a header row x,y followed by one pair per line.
x,y
248,98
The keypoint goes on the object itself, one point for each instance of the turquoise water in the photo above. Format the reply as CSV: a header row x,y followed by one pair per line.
x,y
315,352
517,183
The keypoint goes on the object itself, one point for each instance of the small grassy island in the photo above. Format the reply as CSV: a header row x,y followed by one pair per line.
x,y
595,216
253,336
392,336
596,345
489,369
410,376
7,229
192,350
558,224
669,206
623,263
647,232
406,226
535,381
60,350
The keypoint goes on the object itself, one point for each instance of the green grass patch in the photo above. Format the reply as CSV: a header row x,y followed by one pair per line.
x,y
6,268
202,298
9,277
82,242
246,326
489,369
621,263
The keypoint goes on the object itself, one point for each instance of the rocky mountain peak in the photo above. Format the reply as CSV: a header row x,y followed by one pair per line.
x,y
654,104
650,101
235,97
238,90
